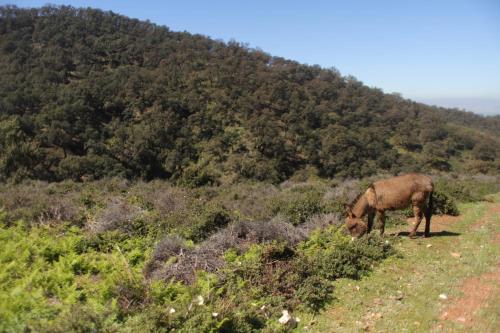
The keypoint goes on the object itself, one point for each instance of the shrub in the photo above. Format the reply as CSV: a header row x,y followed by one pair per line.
x,y
334,255
38,202
117,215
344,193
247,200
199,174
237,267
130,292
444,204
315,292
468,189
104,242
74,286
162,197
321,221
168,247
173,259
78,318
211,218
297,207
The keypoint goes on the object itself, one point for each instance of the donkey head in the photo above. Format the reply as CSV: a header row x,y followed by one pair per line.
x,y
354,224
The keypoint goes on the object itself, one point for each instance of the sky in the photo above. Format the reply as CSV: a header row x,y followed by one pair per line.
x,y
440,52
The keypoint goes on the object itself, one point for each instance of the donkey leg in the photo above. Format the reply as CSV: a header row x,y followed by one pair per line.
x,y
418,218
428,215
381,221
427,231
371,216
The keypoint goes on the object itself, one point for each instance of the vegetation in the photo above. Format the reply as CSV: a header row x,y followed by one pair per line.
x,y
114,255
86,94
166,181
61,271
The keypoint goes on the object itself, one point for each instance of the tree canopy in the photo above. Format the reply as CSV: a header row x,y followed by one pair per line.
x,y
86,94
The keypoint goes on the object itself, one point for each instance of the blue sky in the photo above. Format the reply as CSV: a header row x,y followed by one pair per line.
x,y
440,52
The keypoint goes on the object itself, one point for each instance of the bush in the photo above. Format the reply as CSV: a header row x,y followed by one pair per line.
x,y
199,174
169,246
467,188
38,202
315,292
164,198
77,318
334,255
343,193
173,259
211,218
297,206
443,204
117,215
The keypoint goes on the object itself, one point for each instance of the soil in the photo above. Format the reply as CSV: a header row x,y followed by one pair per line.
x,y
438,222
476,292
494,210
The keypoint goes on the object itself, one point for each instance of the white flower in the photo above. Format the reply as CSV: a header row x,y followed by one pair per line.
x,y
200,300
215,314
172,310
297,319
285,318
443,296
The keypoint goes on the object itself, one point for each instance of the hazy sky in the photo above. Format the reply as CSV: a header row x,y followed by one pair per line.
x,y
443,52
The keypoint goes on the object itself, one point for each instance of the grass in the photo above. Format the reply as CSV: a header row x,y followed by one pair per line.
x,y
402,294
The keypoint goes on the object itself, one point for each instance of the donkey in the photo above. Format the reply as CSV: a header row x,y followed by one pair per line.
x,y
390,194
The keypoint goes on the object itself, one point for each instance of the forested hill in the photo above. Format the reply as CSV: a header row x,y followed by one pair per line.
x,y
87,94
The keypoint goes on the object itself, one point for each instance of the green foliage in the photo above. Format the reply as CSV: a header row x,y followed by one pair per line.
x,y
315,292
333,254
450,190
444,204
199,174
211,218
87,94
299,205
468,189
58,283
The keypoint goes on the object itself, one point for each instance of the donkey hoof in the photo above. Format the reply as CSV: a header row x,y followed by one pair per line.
x,y
412,235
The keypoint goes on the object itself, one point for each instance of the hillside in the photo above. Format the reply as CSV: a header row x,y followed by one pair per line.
x,y
86,94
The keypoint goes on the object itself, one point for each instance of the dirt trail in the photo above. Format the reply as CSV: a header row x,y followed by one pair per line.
x,y
478,291
493,210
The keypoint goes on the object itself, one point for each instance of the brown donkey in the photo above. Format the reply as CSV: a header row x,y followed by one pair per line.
x,y
390,194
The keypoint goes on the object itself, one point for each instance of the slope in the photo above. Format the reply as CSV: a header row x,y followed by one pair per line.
x,y
87,94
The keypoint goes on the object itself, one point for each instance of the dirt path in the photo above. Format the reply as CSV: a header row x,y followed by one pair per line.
x,y
478,291
446,283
